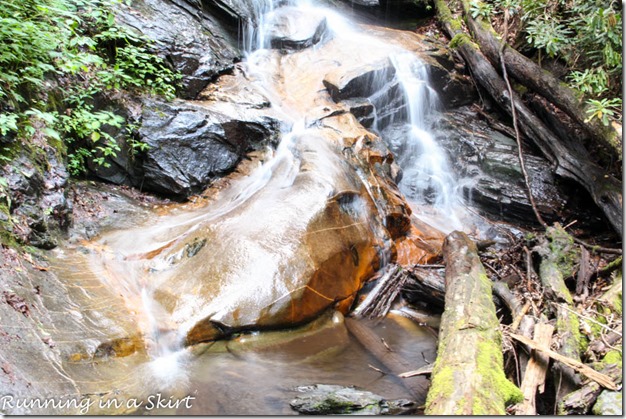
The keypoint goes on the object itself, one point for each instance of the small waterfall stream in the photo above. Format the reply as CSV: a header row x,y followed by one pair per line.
x,y
240,232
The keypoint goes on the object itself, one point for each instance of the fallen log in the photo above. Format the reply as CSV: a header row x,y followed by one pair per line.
x,y
427,285
417,385
531,75
468,376
570,159
535,375
558,254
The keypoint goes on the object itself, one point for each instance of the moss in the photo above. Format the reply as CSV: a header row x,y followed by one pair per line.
x,y
563,250
459,40
568,326
441,386
613,357
490,366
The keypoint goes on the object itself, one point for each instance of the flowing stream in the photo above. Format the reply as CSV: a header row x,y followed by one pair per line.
x,y
256,227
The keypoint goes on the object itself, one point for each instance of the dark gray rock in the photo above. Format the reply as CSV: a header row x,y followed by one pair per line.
x,y
194,42
39,212
324,399
290,28
191,144
486,162
362,109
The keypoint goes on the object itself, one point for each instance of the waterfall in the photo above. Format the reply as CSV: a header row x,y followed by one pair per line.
x,y
427,175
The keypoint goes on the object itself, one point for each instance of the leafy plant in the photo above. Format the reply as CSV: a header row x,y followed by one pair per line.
x,y
603,109
586,35
56,56
481,9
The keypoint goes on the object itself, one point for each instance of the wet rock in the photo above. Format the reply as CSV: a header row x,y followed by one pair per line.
x,y
50,332
325,399
290,28
608,403
454,88
486,160
193,41
38,207
362,109
192,143
359,82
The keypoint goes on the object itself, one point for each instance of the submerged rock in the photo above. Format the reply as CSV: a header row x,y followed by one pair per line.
x,y
290,28
326,399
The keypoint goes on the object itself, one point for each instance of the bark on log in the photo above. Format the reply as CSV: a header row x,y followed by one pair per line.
x,y
468,376
570,159
535,375
379,300
417,385
426,285
531,75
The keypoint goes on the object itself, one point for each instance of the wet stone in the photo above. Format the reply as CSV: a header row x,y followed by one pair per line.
x,y
290,28
324,399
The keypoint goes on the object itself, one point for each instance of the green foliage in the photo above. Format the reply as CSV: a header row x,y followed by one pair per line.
x,y
56,56
603,109
587,36
478,8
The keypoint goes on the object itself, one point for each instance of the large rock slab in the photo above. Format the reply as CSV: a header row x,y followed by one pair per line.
x,y
192,143
290,28
194,42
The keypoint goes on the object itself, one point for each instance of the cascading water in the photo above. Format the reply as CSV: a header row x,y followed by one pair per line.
x,y
427,176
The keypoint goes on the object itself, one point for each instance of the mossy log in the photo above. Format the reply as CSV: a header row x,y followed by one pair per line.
x,y
611,300
468,376
541,81
559,254
569,158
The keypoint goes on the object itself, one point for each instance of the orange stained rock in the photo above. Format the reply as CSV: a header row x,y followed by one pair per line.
x,y
422,245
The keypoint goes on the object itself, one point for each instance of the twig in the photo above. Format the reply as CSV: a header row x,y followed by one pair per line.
x,y
598,249
602,379
520,315
377,369
589,318
425,370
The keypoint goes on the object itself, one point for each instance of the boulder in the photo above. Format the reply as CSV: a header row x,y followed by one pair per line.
x,y
194,42
608,403
290,28
192,143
